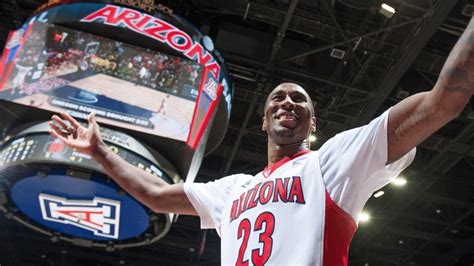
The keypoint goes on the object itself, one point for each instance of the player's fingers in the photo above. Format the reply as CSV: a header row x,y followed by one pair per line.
x,y
91,119
58,130
71,120
55,132
63,139
62,126
59,122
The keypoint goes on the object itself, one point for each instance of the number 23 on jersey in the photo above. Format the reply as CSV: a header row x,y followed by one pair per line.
x,y
265,226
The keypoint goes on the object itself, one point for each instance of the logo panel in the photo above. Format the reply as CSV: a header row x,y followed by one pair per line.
x,y
100,216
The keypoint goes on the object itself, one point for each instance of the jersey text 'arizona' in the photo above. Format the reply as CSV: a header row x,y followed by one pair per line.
x,y
278,190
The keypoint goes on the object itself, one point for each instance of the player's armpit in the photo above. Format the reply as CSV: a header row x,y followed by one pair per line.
x,y
172,199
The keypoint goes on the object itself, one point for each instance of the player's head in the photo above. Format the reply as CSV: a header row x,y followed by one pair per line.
x,y
288,115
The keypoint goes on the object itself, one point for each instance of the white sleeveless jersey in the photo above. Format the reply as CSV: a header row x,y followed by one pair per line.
x,y
21,74
286,215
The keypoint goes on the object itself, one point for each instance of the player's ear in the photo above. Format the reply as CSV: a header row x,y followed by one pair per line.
x,y
264,124
313,124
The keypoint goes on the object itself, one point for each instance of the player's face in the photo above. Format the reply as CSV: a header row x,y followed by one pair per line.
x,y
289,114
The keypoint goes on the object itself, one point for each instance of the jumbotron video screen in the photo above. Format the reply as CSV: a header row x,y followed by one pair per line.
x,y
61,69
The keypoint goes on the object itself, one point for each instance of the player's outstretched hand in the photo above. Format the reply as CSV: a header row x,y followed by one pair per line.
x,y
83,139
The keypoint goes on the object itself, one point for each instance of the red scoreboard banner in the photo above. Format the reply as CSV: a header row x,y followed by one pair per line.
x,y
206,103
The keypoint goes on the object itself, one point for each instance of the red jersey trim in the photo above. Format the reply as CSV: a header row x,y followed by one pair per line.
x,y
339,228
267,171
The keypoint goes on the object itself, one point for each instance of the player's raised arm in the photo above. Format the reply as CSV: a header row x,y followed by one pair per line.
x,y
146,188
414,119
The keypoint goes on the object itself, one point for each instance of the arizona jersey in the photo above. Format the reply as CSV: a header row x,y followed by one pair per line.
x,y
301,210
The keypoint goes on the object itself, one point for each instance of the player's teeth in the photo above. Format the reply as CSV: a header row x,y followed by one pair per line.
x,y
289,117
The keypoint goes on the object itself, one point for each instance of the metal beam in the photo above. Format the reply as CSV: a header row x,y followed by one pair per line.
x,y
341,32
311,19
347,104
435,161
353,39
312,76
276,47
410,5
285,70
437,236
242,132
437,15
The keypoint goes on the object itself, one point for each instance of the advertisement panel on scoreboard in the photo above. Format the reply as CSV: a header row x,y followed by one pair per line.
x,y
61,69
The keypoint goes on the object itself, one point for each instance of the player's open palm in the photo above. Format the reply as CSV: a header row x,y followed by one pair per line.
x,y
83,139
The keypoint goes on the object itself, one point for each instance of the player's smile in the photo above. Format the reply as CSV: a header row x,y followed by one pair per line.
x,y
287,119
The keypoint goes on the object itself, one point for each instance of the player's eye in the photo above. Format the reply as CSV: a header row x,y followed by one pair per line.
x,y
277,97
298,98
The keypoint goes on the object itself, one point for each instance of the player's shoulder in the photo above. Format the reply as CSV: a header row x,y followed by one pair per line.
x,y
235,177
303,155
348,136
233,180
240,177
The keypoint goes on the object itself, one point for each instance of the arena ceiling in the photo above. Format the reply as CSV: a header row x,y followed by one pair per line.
x,y
430,221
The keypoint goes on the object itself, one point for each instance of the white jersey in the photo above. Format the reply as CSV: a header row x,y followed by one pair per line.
x,y
143,72
21,75
300,211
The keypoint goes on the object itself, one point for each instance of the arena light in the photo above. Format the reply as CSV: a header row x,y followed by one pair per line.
x,y
379,194
363,217
312,138
387,10
399,181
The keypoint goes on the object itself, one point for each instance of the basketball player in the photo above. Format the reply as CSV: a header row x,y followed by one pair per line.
x,y
20,77
159,116
163,106
301,208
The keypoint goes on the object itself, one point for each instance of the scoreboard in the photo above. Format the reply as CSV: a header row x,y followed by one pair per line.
x,y
162,97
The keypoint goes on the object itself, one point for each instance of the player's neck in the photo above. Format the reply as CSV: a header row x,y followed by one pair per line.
x,y
277,152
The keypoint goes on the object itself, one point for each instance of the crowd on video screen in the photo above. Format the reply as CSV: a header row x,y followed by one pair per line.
x,y
79,55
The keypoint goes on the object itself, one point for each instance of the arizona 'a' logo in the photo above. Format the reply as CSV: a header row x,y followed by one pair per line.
x,y
210,88
100,216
